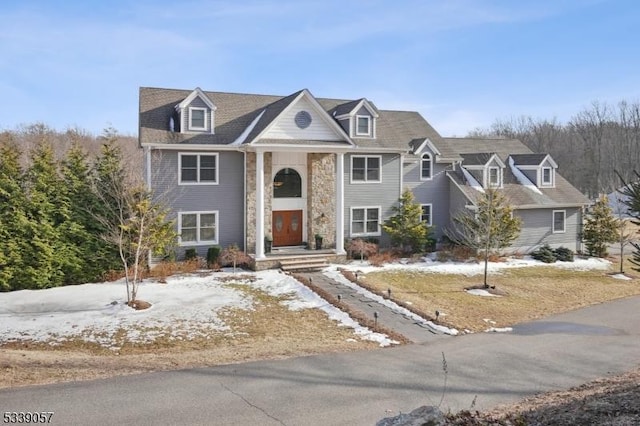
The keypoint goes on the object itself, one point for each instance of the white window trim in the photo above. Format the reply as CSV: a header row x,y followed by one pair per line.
x,y
551,176
366,157
369,125
430,223
191,126
198,242
498,175
422,158
365,234
564,222
198,154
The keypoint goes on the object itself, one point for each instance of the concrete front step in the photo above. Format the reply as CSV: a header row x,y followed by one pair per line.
x,y
303,264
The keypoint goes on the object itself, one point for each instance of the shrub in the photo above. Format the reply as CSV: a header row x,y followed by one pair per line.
x,y
545,254
361,249
564,254
456,252
190,254
232,255
213,253
380,259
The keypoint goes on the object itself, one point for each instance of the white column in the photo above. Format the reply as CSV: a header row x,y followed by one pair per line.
x,y
340,203
260,205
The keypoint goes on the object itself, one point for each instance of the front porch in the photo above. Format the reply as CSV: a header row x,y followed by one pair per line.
x,y
292,197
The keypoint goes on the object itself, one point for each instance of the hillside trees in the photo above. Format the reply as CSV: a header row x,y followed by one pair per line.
x,y
49,203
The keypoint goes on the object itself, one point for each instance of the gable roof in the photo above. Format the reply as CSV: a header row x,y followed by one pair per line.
x,y
562,195
351,108
236,112
532,159
273,113
197,93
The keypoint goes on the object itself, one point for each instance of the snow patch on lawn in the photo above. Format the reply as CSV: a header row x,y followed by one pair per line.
x,y
185,308
481,292
472,268
621,277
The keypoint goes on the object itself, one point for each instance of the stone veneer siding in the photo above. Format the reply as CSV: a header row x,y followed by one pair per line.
x,y
321,198
251,199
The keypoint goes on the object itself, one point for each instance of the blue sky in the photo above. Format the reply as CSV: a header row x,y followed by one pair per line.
x,y
460,63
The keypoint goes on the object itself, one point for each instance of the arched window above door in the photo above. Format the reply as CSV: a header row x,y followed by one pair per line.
x,y
287,184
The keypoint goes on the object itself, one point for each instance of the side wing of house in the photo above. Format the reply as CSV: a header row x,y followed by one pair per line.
x,y
557,227
549,207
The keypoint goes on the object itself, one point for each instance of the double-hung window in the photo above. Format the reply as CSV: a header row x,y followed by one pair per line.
x,y
198,228
198,169
365,221
559,221
426,167
365,169
494,177
426,214
197,118
547,176
363,125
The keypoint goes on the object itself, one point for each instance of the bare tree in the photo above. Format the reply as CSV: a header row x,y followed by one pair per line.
x,y
489,228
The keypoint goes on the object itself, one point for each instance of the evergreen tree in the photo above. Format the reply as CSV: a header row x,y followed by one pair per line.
x,y
110,178
14,245
405,227
48,209
96,255
490,228
632,191
600,228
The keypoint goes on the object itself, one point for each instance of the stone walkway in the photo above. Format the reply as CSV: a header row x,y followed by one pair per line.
x,y
416,331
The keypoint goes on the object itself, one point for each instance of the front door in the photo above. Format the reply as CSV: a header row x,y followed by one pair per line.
x,y
287,228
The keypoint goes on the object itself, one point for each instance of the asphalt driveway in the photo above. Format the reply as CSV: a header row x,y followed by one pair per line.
x,y
359,388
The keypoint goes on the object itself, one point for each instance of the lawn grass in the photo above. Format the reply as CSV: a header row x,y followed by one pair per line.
x,y
531,293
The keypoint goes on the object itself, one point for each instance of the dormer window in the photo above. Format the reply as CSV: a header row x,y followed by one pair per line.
x,y
195,114
494,177
197,118
363,125
547,176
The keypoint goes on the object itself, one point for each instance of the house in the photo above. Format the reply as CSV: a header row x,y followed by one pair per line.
x,y
237,168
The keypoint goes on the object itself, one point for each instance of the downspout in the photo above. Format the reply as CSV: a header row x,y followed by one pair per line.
x,y
148,166
401,174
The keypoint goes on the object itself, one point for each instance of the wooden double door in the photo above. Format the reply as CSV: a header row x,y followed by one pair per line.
x,y
287,227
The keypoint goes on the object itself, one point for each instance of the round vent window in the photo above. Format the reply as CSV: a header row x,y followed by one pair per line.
x,y
303,119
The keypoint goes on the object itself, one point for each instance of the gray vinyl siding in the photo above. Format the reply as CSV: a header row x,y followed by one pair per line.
x,y
457,204
434,192
227,197
537,230
384,194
